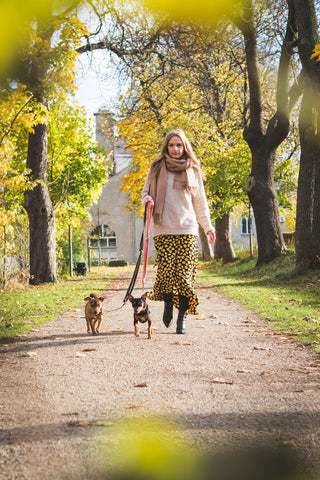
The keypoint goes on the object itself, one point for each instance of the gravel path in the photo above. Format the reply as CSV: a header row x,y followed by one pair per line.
x,y
230,381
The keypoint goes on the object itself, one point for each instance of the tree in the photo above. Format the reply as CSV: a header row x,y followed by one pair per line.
x,y
268,126
158,102
186,76
308,199
46,67
18,112
77,166
15,15
216,61
264,141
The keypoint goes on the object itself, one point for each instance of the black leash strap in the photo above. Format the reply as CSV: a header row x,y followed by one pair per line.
x,y
136,270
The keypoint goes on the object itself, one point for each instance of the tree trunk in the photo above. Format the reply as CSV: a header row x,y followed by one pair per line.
x,y
305,192
38,205
223,248
308,196
315,236
263,142
205,245
264,201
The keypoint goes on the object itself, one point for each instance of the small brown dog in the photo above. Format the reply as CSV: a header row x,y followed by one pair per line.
x,y
93,313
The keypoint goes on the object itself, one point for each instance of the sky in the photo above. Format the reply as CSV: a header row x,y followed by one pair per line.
x,y
97,87
97,81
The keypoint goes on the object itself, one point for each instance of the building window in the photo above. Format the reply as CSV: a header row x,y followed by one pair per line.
x,y
103,237
245,225
112,242
104,231
102,245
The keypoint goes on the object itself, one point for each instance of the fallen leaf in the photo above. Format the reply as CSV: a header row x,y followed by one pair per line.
x,y
200,317
244,371
179,342
141,385
264,373
262,348
289,443
89,350
58,339
119,330
30,354
222,380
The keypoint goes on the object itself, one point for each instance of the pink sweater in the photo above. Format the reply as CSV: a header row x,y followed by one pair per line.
x,y
181,211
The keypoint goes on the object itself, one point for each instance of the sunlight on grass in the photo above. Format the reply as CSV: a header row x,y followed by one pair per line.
x,y
287,299
26,306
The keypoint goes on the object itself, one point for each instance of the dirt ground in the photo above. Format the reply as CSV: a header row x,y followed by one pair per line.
x,y
229,382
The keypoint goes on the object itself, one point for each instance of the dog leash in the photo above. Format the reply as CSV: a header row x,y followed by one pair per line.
x,y
147,214
146,220
146,245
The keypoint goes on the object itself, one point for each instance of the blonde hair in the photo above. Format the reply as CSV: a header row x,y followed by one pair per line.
x,y
188,151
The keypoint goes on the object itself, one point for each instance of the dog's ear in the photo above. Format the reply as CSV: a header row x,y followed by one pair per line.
x,y
144,296
101,299
130,298
87,299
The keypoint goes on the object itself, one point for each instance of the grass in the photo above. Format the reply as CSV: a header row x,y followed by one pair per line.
x,y
280,295
23,307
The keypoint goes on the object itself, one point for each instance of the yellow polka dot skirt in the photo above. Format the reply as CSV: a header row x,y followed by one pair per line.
x,y
176,261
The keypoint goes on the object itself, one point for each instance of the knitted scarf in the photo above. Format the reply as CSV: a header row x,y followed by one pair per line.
x,y
184,178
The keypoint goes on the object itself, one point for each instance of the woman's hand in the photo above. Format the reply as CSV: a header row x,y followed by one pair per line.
x,y
212,236
147,199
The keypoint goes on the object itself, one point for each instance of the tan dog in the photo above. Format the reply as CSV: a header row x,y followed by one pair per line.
x,y
93,313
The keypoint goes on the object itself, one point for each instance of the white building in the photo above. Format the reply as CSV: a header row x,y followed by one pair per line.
x,y
118,231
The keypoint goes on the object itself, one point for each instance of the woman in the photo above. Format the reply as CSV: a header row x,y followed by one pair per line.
x,y
174,186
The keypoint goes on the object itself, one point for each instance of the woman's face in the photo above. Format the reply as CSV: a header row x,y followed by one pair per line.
x,y
175,147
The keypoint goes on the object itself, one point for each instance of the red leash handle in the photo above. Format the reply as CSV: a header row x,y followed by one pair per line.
x,y
146,244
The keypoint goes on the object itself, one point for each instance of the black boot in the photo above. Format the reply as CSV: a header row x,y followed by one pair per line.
x,y
168,309
181,322
182,315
